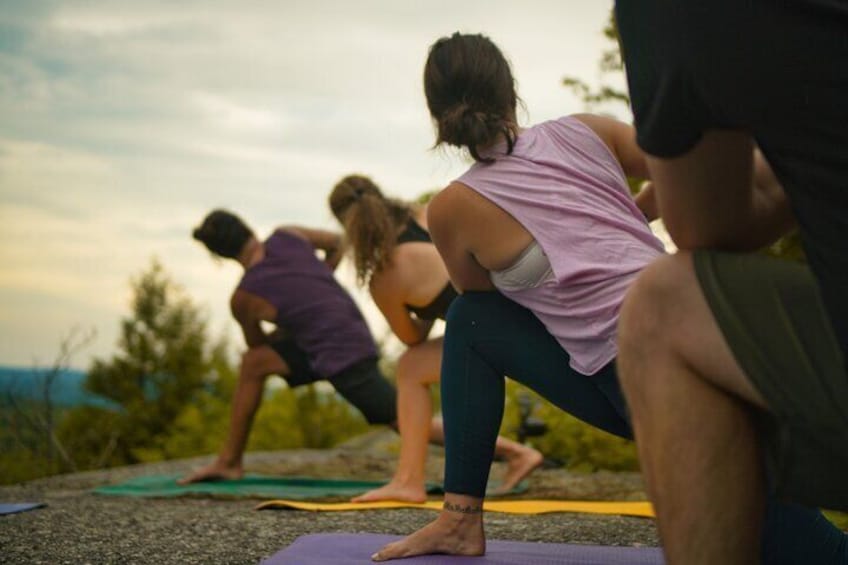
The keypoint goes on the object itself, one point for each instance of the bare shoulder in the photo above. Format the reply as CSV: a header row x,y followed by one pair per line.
x,y
453,206
454,193
301,232
608,129
291,229
241,303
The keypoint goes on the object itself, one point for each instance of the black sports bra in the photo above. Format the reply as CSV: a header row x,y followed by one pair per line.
x,y
439,306
413,232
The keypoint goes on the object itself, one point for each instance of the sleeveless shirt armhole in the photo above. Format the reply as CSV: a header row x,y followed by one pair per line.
x,y
600,142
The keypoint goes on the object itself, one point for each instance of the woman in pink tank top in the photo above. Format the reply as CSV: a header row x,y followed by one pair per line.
x,y
541,237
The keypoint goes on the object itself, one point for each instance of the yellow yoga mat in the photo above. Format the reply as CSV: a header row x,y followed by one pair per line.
x,y
643,509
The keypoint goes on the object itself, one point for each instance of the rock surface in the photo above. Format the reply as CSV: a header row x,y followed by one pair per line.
x,y
80,527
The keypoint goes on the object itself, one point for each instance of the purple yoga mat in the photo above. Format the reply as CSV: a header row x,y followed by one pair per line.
x,y
338,549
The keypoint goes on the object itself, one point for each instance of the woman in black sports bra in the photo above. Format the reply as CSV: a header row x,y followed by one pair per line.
x,y
393,254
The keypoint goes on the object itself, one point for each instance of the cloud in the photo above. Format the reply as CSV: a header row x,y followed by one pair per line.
x,y
123,123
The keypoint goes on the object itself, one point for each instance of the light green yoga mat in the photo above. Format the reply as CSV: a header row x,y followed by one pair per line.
x,y
252,486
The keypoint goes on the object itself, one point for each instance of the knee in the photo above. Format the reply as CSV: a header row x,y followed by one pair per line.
x,y
648,314
413,368
462,309
473,310
405,369
256,364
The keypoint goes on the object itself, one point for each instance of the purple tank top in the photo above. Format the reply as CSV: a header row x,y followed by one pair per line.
x,y
565,187
311,305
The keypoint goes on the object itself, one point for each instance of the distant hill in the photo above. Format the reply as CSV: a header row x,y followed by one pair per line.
x,y
27,384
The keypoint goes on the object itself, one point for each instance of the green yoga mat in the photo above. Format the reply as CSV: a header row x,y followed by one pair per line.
x,y
252,486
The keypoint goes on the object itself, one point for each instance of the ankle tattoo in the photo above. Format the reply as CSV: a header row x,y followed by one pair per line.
x,y
462,509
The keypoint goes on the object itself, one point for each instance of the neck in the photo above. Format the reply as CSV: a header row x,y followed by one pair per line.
x,y
500,139
251,253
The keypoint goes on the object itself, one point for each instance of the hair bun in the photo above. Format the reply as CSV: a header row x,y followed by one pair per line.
x,y
470,93
464,125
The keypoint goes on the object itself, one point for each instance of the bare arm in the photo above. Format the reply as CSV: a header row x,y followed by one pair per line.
x,y
246,312
646,201
327,241
721,195
770,193
449,220
389,297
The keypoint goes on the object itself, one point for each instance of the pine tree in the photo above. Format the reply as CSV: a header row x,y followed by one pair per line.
x,y
162,365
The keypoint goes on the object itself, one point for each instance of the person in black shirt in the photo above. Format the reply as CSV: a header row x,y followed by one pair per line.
x,y
733,363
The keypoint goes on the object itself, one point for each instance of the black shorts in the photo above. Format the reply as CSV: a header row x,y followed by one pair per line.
x,y
297,360
362,384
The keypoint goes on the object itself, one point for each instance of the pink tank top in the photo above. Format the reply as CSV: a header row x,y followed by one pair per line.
x,y
566,188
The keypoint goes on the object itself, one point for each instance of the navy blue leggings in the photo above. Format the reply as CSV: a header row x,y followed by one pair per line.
x,y
488,337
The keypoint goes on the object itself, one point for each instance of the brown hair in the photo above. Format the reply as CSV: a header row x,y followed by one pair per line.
x,y
470,93
371,222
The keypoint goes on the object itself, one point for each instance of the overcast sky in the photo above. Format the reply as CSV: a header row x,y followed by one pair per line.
x,y
123,123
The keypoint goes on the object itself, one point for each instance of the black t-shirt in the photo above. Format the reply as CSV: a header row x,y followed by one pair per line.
x,y
775,69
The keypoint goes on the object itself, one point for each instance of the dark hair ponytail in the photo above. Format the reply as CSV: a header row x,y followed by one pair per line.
x,y
470,93
370,220
223,233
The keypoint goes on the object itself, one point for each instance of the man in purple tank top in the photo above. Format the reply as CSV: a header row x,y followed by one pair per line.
x,y
320,333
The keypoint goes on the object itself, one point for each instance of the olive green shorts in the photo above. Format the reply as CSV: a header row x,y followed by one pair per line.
x,y
772,317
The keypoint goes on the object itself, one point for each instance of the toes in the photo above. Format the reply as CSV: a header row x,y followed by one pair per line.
x,y
388,552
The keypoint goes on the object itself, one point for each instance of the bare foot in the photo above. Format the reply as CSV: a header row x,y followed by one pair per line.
x,y
213,472
394,491
450,534
519,465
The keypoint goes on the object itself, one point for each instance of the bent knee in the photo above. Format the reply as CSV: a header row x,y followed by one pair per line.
x,y
652,309
653,298
463,308
481,307
418,365
260,362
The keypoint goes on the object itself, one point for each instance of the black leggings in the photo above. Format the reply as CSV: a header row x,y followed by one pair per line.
x,y
488,336
365,386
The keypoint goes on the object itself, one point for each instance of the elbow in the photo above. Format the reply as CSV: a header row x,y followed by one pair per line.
x,y
685,240
410,341
414,335
691,237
